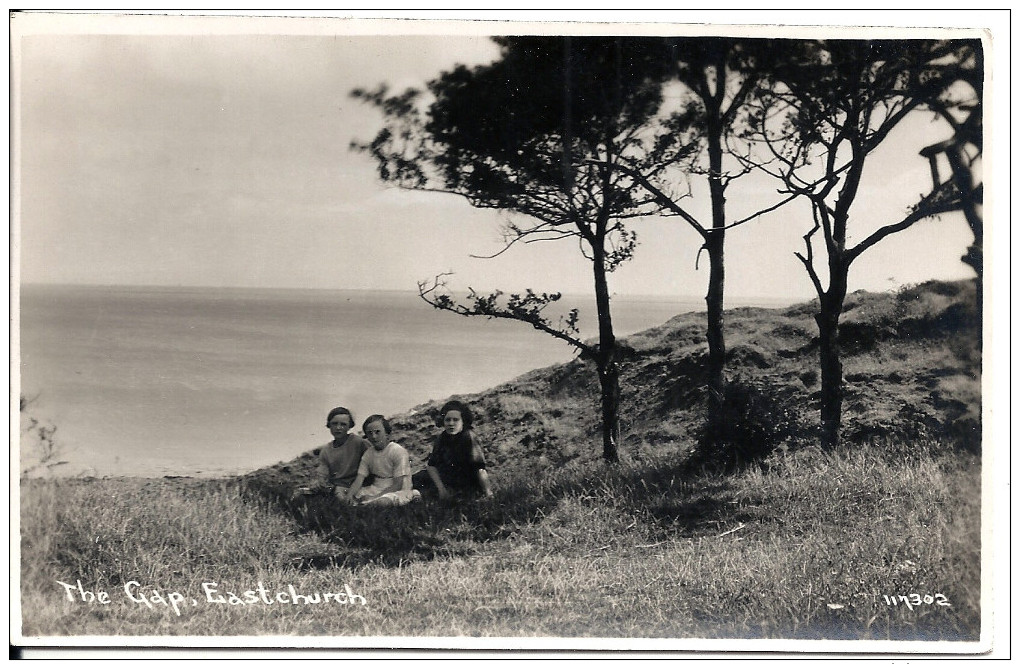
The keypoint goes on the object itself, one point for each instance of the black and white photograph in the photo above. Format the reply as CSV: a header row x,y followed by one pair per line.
x,y
509,334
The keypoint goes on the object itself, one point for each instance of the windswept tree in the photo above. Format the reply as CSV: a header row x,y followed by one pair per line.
x,y
956,162
829,106
714,79
538,134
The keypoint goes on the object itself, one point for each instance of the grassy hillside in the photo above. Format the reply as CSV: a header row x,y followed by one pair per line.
x,y
912,368
770,538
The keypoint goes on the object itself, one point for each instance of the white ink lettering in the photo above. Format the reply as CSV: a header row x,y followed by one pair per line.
x,y
176,599
87,596
304,599
212,595
351,595
137,599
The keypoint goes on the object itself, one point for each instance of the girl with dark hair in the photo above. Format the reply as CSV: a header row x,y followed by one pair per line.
x,y
457,464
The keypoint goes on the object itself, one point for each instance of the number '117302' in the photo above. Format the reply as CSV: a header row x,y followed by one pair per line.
x,y
916,599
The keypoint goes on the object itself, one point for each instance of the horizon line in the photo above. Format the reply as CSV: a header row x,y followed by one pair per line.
x,y
788,299
658,295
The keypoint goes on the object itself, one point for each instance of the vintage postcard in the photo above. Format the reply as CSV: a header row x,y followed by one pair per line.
x,y
624,332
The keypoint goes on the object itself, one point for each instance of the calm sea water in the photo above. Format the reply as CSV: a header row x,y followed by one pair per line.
x,y
152,381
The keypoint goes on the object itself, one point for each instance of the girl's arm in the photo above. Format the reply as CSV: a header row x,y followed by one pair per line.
x,y
405,485
483,481
434,474
322,472
478,459
355,488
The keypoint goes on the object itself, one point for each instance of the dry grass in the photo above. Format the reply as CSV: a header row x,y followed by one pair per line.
x,y
804,547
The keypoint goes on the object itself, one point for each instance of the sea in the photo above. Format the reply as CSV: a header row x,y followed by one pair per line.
x,y
156,381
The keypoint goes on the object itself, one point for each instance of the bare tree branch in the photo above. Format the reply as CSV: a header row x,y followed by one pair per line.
x,y
662,198
928,207
759,213
808,260
527,308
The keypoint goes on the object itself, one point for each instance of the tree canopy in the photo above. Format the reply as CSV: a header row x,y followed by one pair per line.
x,y
538,133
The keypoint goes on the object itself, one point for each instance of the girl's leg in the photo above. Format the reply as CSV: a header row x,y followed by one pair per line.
x,y
384,499
371,492
394,498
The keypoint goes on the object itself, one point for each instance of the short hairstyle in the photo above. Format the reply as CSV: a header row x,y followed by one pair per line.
x,y
378,418
459,406
339,410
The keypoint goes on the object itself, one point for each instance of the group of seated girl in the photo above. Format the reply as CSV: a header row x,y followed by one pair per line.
x,y
456,466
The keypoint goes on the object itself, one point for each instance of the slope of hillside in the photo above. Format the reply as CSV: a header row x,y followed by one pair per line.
x,y
878,539
912,369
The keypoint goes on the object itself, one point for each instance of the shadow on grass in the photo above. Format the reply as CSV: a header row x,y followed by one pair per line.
x,y
682,494
689,500
671,497
673,500
420,531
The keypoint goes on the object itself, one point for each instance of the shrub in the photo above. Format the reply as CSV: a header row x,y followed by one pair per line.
x,y
754,420
40,450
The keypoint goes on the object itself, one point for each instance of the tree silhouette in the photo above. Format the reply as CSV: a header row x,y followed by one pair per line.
x,y
827,107
962,152
717,76
538,133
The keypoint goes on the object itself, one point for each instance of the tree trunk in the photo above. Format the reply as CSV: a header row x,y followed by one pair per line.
x,y
609,382
609,371
715,244
831,403
972,211
714,334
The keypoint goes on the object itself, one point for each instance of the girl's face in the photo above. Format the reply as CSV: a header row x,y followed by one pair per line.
x,y
340,425
453,423
375,431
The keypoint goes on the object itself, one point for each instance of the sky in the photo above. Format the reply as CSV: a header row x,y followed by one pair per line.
x,y
199,152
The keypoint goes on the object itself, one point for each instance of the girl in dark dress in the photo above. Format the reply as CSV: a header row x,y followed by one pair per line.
x,y
457,464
